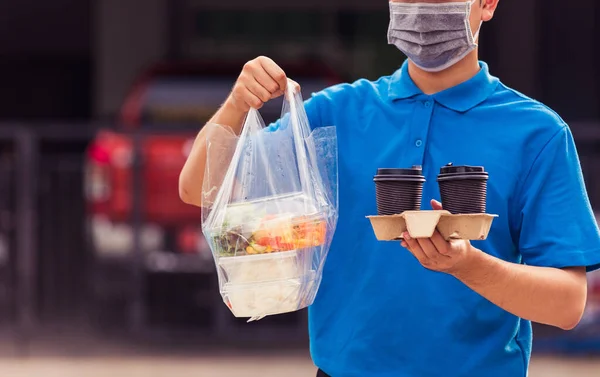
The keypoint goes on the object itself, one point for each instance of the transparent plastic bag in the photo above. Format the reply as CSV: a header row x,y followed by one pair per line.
x,y
270,208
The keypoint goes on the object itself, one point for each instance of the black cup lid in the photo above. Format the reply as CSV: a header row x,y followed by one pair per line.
x,y
416,170
451,169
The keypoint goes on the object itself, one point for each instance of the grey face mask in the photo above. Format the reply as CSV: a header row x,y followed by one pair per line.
x,y
434,36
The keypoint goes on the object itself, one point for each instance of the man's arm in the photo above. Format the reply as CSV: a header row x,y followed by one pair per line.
x,y
260,81
551,296
191,178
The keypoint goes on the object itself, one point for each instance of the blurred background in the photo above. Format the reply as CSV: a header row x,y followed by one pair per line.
x,y
103,271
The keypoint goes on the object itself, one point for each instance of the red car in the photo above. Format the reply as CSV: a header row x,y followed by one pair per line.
x,y
177,99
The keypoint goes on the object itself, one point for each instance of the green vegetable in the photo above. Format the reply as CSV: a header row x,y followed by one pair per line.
x,y
230,243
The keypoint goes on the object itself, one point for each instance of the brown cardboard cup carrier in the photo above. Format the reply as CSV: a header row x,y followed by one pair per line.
x,y
422,224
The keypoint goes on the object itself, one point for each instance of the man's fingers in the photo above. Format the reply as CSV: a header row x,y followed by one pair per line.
x,y
275,72
428,248
414,247
266,81
440,243
258,90
251,99
277,94
435,205
295,86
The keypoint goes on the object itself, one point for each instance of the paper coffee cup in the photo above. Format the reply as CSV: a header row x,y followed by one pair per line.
x,y
463,189
398,190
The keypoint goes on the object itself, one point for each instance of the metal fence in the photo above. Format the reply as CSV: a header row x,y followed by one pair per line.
x,y
39,213
54,269
7,232
61,266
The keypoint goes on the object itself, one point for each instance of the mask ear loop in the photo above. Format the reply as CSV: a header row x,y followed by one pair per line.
x,y
476,36
469,10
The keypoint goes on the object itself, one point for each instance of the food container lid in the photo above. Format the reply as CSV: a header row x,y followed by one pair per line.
x,y
399,178
451,169
294,207
280,255
416,170
309,277
287,218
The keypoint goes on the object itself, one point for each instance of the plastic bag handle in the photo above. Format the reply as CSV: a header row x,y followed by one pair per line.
x,y
299,137
299,132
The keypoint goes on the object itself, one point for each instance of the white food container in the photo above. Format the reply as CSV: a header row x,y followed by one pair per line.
x,y
267,267
257,300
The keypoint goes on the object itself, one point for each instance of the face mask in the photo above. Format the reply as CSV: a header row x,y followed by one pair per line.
x,y
433,36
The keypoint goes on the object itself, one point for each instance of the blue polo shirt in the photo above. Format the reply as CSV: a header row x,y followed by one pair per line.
x,y
378,312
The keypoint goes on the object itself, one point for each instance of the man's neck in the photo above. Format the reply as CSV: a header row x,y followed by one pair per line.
x,y
435,82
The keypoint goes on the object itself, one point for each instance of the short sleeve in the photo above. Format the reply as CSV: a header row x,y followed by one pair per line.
x,y
558,227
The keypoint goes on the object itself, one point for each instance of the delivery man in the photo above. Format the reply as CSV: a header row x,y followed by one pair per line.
x,y
438,308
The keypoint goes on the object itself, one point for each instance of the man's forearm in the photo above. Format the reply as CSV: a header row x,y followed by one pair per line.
x,y
229,115
550,296
192,174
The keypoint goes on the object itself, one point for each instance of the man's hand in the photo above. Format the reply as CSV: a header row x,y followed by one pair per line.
x,y
261,80
546,295
436,253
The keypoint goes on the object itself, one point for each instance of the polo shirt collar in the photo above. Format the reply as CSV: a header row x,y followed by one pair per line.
x,y
462,97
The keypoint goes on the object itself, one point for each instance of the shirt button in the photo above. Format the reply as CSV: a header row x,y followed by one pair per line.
x,y
419,143
427,103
